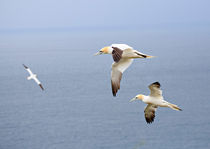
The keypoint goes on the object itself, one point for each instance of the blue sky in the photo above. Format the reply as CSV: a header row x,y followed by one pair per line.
x,y
41,14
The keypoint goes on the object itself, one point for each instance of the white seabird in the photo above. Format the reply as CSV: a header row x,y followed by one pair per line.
x,y
154,100
123,56
33,76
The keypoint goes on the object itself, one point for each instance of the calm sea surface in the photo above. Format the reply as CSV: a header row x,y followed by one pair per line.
x,y
77,109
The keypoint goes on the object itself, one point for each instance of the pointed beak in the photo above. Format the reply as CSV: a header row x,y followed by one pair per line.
x,y
98,53
133,99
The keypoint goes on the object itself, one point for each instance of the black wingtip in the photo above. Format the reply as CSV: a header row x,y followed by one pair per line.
x,y
156,83
41,87
150,120
144,56
114,93
25,66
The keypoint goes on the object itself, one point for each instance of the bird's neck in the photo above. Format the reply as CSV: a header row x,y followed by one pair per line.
x,y
109,50
145,98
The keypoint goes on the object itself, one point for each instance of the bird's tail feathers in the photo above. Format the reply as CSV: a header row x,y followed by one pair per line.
x,y
141,55
149,56
174,107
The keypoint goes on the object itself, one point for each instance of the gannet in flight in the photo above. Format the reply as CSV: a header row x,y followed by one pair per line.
x,y
154,100
33,76
123,56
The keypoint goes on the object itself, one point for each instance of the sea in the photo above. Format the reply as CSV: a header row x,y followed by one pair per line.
x,y
77,109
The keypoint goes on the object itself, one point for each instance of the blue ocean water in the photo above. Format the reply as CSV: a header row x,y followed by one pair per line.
x,y
77,109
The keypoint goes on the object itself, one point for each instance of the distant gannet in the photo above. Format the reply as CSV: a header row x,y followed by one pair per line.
x,y
33,76
154,100
123,56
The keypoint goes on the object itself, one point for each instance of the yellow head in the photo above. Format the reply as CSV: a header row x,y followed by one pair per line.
x,y
105,50
138,97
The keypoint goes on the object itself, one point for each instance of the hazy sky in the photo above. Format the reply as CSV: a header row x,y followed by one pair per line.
x,y
20,14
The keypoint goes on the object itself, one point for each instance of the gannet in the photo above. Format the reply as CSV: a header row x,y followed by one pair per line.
x,y
33,76
154,100
123,56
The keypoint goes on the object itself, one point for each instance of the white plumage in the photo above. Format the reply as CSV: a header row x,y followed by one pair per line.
x,y
33,76
154,100
123,56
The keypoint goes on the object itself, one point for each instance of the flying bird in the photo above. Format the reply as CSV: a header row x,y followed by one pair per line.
x,y
33,76
154,100
123,56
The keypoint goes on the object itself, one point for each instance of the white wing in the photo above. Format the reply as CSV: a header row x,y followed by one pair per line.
x,y
32,76
122,65
29,71
122,46
149,113
116,74
38,82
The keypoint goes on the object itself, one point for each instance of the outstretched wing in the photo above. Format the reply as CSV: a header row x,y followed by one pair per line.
x,y
38,82
149,113
28,69
116,74
155,89
41,86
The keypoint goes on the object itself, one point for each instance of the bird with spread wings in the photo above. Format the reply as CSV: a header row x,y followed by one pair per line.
x,y
33,76
153,101
123,56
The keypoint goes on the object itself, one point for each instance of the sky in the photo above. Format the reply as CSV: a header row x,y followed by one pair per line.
x,y
58,14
